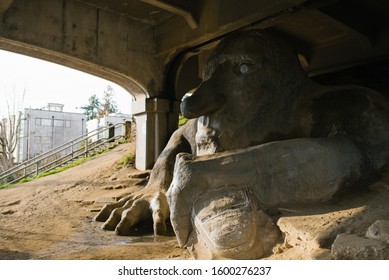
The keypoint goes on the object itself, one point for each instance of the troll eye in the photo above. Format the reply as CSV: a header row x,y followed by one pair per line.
x,y
246,67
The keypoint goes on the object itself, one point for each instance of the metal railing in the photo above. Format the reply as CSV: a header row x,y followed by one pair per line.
x,y
63,154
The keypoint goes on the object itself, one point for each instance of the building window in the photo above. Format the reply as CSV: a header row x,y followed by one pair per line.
x,y
46,122
67,123
38,121
58,123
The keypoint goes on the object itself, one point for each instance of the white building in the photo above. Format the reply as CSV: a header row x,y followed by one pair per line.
x,y
47,128
111,119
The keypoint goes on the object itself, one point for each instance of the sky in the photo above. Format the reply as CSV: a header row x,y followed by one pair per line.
x,y
45,82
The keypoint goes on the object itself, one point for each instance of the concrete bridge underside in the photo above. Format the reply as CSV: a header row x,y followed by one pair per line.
x,y
156,48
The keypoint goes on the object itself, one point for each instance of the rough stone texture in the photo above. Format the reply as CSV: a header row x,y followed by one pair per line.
x,y
229,227
310,231
379,230
353,247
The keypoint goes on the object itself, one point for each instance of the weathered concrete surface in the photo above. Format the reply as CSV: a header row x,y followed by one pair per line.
x,y
310,232
353,247
373,246
80,36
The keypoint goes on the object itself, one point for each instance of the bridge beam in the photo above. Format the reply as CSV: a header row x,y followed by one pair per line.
x,y
80,36
101,43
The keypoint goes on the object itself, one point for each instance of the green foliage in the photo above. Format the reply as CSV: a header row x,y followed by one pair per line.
x,y
91,109
25,180
63,168
127,160
182,120
123,140
5,186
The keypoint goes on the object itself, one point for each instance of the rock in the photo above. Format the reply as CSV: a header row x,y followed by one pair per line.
x,y
310,233
353,247
379,230
298,233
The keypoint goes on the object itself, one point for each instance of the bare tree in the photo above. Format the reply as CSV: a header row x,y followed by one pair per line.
x,y
108,105
9,132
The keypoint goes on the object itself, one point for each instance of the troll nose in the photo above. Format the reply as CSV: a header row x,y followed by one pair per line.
x,y
203,101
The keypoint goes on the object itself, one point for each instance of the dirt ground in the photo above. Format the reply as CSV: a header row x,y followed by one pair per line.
x,y
52,217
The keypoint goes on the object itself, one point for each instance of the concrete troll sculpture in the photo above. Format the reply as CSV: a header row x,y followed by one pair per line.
x,y
263,135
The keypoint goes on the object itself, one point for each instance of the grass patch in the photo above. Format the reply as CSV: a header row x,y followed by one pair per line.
x,y
6,186
63,168
127,160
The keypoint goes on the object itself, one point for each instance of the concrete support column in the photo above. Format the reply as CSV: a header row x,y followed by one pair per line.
x,y
152,130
